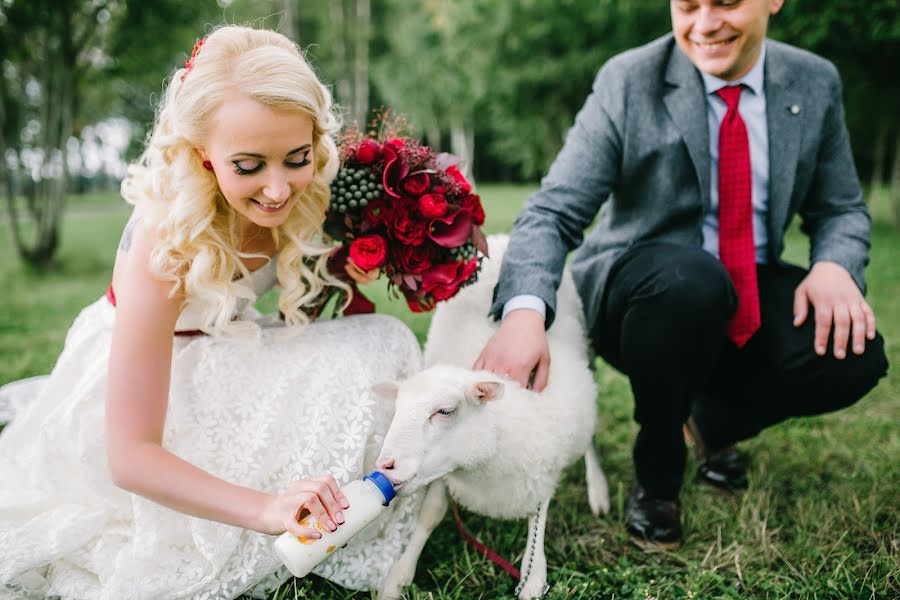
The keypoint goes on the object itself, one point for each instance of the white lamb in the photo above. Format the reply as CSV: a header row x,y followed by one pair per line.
x,y
498,449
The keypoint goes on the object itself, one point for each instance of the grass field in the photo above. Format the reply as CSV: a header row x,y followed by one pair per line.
x,y
821,519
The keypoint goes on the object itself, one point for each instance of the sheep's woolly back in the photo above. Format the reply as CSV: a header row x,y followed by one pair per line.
x,y
538,435
464,317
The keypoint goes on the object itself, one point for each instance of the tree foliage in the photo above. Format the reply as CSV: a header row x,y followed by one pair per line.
x,y
497,82
543,58
47,47
512,73
65,65
863,40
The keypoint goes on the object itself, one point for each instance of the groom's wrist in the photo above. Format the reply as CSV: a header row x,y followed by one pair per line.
x,y
527,301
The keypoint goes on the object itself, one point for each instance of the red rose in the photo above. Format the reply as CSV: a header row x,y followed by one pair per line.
x,y
443,281
472,203
413,259
368,151
457,176
432,206
405,226
377,213
416,183
368,252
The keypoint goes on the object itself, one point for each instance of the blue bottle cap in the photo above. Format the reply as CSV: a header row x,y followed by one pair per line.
x,y
384,485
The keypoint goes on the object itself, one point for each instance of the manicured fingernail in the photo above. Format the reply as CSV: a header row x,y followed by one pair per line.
x,y
339,516
839,353
331,525
820,350
344,503
858,348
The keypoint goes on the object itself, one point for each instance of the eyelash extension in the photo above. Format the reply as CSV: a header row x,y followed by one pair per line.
x,y
293,165
297,165
240,171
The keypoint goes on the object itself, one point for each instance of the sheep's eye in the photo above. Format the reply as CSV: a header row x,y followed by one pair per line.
x,y
445,411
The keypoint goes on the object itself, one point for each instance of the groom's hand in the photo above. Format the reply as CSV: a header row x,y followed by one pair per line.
x,y
839,305
519,350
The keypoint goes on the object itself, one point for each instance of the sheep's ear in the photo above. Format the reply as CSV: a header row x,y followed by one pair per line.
x,y
486,390
387,390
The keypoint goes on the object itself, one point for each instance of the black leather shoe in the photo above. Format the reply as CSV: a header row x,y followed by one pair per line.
x,y
652,523
725,469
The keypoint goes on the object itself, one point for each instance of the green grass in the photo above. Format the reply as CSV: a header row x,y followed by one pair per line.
x,y
821,519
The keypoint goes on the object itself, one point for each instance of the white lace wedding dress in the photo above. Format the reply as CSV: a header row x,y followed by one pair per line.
x,y
259,412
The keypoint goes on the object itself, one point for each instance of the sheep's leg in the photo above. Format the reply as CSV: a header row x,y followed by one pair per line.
x,y
598,490
434,507
534,563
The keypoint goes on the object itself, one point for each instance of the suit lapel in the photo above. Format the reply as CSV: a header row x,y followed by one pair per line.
x,y
785,114
685,100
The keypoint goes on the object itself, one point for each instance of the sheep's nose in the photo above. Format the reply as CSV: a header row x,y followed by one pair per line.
x,y
385,464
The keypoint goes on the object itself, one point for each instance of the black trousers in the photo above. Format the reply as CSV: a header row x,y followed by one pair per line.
x,y
663,324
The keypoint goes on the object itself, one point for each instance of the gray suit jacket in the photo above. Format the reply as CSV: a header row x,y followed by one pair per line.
x,y
638,155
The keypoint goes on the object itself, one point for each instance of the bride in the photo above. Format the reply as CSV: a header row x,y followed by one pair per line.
x,y
178,430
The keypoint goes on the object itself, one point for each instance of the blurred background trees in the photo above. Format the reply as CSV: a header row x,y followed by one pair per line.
x,y
863,40
497,83
75,89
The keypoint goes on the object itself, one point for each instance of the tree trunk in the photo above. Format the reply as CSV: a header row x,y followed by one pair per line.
x,y
12,214
361,61
433,135
878,164
50,62
339,38
895,186
46,193
289,26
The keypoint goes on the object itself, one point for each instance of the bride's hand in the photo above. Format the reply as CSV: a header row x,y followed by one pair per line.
x,y
306,501
358,275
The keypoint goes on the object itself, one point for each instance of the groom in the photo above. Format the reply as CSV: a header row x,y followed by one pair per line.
x,y
696,151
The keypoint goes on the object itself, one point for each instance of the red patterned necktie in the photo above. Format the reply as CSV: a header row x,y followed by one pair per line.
x,y
736,246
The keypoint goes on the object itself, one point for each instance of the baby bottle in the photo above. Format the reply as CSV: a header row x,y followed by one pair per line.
x,y
367,498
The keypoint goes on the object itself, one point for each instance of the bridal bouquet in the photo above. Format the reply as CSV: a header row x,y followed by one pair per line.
x,y
400,206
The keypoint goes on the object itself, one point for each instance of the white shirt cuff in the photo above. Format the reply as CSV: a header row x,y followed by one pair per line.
x,y
525,301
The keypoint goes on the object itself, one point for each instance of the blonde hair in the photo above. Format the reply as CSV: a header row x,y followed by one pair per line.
x,y
196,230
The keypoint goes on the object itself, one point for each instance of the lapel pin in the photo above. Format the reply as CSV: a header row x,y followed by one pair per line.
x,y
794,109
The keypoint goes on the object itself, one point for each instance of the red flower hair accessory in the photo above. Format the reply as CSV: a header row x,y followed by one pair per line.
x,y
189,63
